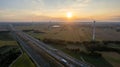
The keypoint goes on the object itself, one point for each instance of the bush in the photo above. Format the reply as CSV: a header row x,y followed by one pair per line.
x,y
95,54
55,41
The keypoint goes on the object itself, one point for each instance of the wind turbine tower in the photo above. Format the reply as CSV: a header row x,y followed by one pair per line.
x,y
93,34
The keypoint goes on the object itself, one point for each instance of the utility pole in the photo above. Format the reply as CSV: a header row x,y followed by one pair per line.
x,y
93,35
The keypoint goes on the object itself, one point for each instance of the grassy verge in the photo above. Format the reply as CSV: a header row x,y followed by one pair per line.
x,y
8,43
36,35
23,61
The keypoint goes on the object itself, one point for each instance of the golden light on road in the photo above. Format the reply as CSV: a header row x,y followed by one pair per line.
x,y
69,15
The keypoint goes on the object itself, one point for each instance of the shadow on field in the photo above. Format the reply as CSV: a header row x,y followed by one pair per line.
x,y
97,61
8,54
5,36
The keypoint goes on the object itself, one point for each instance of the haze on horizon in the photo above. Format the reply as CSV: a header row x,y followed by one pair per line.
x,y
55,10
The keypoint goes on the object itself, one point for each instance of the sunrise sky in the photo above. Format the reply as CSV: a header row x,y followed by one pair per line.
x,y
56,10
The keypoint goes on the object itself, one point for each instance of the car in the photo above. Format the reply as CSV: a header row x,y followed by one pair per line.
x,y
65,62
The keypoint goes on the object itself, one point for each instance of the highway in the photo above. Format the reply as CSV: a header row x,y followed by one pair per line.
x,y
37,58
37,49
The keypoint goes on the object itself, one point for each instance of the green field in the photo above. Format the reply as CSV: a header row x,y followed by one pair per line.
x,y
6,39
5,36
23,61
8,43
112,57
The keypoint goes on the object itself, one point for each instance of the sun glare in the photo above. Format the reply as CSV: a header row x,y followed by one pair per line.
x,y
69,15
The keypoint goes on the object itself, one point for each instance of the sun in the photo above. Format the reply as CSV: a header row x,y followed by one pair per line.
x,y
69,14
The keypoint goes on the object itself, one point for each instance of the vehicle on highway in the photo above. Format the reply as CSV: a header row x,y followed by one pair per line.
x,y
64,62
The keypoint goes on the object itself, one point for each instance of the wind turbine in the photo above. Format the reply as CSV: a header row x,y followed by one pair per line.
x,y
93,32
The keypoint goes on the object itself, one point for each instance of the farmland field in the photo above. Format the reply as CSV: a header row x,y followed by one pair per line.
x,y
73,32
23,61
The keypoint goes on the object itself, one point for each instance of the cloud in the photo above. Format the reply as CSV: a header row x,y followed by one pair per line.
x,y
81,3
40,2
62,3
114,18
